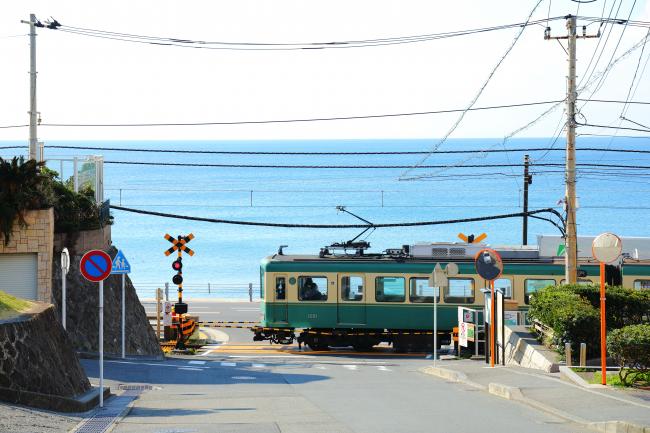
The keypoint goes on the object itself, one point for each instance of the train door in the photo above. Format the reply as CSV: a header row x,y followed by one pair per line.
x,y
351,300
280,304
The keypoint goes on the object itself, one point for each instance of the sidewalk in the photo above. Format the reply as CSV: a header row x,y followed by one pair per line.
x,y
607,409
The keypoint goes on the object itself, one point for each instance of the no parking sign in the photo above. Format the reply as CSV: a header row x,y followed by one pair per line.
x,y
96,266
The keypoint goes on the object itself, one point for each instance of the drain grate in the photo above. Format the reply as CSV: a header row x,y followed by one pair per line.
x,y
104,418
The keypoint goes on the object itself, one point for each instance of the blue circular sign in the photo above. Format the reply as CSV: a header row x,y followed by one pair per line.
x,y
95,265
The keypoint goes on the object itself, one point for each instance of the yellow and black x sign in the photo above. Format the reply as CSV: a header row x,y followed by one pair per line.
x,y
179,244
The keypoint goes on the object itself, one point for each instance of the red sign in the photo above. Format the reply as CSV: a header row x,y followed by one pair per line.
x,y
95,265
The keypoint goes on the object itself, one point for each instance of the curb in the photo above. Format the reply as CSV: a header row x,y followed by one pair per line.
x,y
568,374
452,376
514,393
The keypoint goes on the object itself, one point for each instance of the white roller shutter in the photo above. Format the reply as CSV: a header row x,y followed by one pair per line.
x,y
18,275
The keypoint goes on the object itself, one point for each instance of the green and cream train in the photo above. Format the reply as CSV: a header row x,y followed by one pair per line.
x,y
361,300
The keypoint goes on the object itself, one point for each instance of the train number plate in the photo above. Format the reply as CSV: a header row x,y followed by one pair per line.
x,y
312,316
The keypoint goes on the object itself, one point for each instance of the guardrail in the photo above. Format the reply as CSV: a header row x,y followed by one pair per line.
x,y
248,291
546,331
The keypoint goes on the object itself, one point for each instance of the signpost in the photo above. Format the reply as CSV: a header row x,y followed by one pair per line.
x,y
489,265
606,248
95,266
439,279
179,244
65,267
122,267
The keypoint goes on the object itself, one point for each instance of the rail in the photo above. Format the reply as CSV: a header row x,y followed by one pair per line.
x,y
543,329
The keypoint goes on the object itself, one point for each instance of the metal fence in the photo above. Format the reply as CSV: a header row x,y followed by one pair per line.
x,y
244,291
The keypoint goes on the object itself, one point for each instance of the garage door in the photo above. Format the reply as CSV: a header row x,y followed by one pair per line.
x,y
18,275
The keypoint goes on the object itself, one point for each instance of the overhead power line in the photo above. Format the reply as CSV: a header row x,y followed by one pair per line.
x,y
475,99
314,119
340,226
283,46
307,166
287,153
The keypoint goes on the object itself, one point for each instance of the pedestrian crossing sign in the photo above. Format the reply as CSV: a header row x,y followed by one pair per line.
x,y
120,264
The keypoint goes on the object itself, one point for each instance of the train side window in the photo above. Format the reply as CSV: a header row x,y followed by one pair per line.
x,y
352,288
642,284
261,282
390,289
312,288
533,285
460,290
421,292
506,285
580,282
280,288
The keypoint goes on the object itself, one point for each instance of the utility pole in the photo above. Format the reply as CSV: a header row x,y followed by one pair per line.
x,y
33,113
571,255
528,179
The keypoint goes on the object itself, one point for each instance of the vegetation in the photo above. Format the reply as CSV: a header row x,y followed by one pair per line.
x,y
630,347
10,306
22,187
573,319
28,185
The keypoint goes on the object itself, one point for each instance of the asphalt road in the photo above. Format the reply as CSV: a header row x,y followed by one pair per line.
x,y
301,393
239,386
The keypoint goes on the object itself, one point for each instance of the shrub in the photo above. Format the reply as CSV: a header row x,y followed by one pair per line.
x,y
623,306
630,347
573,319
28,185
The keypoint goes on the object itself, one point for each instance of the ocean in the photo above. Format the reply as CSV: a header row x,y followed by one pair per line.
x,y
227,257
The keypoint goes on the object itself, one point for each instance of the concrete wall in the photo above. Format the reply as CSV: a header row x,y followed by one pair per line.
x,y
36,238
523,349
80,242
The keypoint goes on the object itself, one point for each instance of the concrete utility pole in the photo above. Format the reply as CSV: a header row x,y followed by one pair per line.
x,y
33,113
528,179
571,255
571,268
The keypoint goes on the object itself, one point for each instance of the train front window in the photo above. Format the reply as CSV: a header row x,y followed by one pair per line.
x,y
390,289
280,288
642,284
460,291
505,284
312,288
421,292
351,288
533,285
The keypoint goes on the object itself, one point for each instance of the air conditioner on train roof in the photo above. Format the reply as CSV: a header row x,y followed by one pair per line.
x,y
445,250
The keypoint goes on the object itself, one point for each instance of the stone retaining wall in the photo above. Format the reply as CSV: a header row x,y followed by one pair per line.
x,y
37,356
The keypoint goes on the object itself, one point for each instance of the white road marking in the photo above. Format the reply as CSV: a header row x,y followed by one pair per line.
x,y
229,364
258,365
191,368
350,367
320,367
383,368
196,362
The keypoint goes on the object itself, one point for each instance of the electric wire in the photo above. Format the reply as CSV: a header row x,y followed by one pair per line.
x,y
338,226
476,97
225,45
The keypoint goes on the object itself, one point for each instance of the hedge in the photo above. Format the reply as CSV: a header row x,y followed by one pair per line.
x,y
630,347
623,306
573,319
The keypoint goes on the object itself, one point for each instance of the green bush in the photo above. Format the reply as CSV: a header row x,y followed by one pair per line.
x,y
623,306
28,185
630,347
573,319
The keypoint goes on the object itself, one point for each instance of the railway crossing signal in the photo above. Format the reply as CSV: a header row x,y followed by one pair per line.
x,y
471,239
179,245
